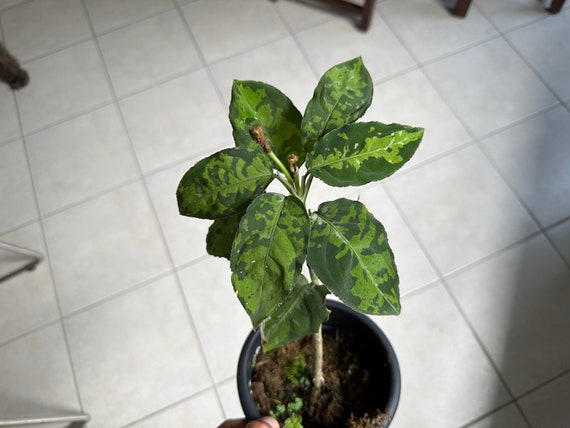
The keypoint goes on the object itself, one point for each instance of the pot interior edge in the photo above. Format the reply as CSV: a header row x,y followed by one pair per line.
x,y
367,333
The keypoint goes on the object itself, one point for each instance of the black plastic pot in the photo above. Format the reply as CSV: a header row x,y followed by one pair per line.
x,y
377,356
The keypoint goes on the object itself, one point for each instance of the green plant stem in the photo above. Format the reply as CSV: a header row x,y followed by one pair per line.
x,y
282,168
305,186
288,185
318,378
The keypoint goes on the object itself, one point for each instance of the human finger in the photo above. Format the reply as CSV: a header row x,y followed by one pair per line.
x,y
264,422
234,423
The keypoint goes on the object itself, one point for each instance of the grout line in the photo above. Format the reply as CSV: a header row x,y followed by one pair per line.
x,y
207,66
40,221
492,412
104,300
541,385
184,302
542,229
447,288
31,332
118,294
170,406
135,21
145,185
294,35
202,58
200,54
505,34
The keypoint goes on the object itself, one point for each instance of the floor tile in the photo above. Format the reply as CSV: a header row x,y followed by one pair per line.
x,y
108,15
56,24
339,40
299,15
452,371
37,379
222,326
202,410
509,14
508,416
516,302
142,347
460,199
534,157
489,86
104,246
453,211
9,123
63,84
560,235
414,268
548,406
185,236
544,45
177,119
144,53
430,31
224,28
6,4
27,301
80,158
319,192
16,190
230,399
280,64
411,99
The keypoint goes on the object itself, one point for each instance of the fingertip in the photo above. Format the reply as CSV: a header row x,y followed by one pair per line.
x,y
270,421
264,422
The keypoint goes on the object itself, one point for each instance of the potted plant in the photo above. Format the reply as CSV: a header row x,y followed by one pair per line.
x,y
285,257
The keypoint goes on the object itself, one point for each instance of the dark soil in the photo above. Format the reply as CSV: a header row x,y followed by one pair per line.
x,y
284,375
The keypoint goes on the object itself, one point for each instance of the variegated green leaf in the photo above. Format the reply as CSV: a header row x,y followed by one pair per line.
x,y
362,152
342,95
257,103
302,312
349,252
268,252
224,183
221,236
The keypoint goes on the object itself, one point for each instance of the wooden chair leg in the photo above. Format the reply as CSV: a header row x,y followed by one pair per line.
x,y
367,10
461,8
555,6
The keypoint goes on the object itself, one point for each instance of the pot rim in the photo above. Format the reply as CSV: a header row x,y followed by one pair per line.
x,y
252,346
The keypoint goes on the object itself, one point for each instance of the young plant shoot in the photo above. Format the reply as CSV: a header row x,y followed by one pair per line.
x,y
284,257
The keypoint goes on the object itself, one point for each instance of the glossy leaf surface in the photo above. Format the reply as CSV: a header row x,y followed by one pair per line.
x,y
349,252
224,183
257,103
268,252
221,236
363,152
302,312
342,95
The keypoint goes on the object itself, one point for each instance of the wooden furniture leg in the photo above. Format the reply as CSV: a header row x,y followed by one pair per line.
x,y
461,8
365,10
555,6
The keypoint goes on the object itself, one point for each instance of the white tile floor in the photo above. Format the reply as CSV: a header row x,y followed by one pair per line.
x,y
129,320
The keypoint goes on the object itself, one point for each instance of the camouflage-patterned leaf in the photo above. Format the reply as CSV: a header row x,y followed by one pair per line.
x,y
224,183
221,236
342,95
362,152
349,252
302,312
257,103
268,252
